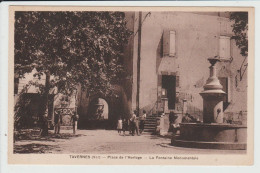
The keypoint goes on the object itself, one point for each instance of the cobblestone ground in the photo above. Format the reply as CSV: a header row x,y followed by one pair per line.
x,y
109,142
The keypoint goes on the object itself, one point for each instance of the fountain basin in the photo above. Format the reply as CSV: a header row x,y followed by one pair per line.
x,y
211,136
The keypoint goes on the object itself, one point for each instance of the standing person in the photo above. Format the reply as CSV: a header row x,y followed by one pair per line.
x,y
129,122
142,121
57,123
137,126
134,122
125,126
74,119
119,125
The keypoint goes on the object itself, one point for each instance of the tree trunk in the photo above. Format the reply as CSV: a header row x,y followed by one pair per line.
x,y
44,112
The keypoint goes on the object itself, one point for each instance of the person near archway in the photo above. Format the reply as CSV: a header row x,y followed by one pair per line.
x,y
125,125
119,125
134,124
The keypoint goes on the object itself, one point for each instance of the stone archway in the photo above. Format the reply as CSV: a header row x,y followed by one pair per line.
x,y
114,107
96,114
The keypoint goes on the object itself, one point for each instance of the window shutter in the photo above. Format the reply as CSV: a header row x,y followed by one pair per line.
x,y
166,43
169,43
224,47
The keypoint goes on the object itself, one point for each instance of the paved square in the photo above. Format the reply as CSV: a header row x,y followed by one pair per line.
x,y
109,142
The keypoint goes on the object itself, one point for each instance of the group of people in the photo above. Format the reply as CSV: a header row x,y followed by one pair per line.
x,y
133,125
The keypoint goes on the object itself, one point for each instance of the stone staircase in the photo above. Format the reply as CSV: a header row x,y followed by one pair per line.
x,y
150,124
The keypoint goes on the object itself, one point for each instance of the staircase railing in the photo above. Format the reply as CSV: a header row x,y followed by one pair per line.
x,y
150,112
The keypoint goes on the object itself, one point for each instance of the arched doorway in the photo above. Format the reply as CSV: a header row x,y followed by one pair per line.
x,y
97,116
99,111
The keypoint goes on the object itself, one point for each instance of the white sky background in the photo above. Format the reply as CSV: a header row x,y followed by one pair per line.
x,y
4,168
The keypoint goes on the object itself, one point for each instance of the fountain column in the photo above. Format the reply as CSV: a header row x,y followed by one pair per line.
x,y
213,96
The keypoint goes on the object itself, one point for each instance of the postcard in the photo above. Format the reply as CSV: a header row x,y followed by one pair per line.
x,y
131,85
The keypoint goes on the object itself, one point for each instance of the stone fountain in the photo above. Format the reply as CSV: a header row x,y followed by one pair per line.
x,y
213,133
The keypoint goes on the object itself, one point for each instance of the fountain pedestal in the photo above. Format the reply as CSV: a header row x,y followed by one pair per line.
x,y
213,133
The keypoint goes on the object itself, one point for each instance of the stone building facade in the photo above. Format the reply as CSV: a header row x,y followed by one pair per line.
x,y
174,50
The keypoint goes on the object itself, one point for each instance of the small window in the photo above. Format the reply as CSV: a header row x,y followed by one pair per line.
x,y
224,47
169,45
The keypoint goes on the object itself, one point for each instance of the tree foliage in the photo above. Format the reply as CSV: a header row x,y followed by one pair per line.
x,y
75,47
240,28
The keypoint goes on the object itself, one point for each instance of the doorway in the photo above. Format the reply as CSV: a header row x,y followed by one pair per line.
x,y
169,84
97,116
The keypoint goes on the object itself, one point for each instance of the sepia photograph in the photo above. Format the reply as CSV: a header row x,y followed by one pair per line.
x,y
151,84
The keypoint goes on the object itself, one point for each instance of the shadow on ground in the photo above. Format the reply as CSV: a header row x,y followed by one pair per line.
x,y
33,148
50,137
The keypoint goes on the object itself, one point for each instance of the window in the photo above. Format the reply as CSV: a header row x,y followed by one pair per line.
x,y
224,47
225,83
169,45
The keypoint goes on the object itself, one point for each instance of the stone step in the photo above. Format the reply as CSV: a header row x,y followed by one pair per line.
x,y
150,130
150,122
150,119
150,125
146,133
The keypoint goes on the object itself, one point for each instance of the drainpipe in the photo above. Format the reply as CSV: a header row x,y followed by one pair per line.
x,y
138,63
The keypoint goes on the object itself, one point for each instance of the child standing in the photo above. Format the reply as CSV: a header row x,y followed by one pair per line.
x,y
119,125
